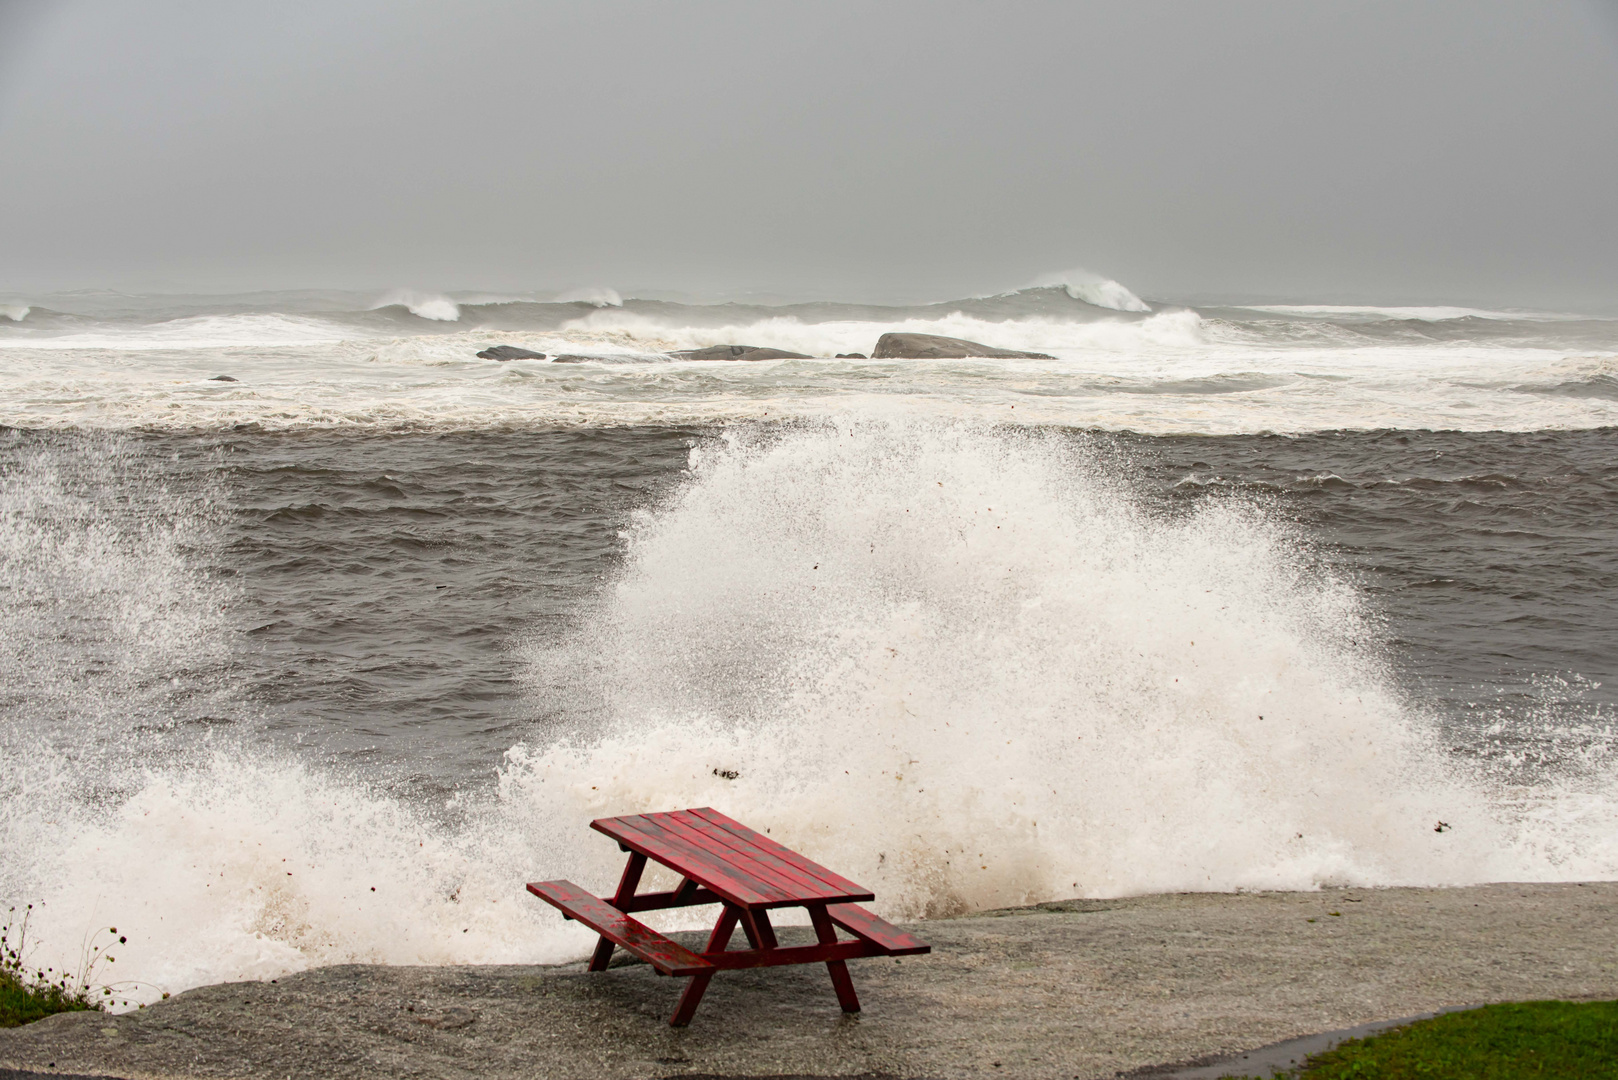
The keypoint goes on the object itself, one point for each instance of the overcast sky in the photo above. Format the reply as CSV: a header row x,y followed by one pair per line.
x,y
1367,150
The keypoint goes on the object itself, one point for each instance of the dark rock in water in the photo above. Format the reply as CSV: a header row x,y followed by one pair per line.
x,y
509,352
933,347
573,358
224,378
738,352
851,356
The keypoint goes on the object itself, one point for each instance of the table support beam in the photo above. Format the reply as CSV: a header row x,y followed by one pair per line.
x,y
840,981
626,890
691,997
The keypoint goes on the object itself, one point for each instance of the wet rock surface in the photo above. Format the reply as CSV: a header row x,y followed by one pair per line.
x,y
509,352
1075,989
738,352
933,347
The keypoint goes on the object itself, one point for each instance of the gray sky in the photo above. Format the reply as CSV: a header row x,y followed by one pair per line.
x,y
1367,150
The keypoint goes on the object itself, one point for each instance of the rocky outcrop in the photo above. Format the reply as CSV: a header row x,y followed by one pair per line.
x,y
851,356
509,352
933,347
1006,994
738,352
224,378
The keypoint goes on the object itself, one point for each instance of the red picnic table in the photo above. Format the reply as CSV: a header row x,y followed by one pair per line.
x,y
722,861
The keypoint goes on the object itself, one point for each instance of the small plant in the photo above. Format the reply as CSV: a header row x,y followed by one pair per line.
x,y
28,994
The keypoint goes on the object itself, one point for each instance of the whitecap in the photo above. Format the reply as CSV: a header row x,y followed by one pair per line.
x,y
434,306
1094,289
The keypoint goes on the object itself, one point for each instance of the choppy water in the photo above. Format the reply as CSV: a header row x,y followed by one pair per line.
x,y
1216,605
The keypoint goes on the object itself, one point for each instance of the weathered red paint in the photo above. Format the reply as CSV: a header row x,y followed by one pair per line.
x,y
723,861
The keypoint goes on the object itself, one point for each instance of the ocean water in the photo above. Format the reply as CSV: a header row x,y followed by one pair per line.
x,y
320,664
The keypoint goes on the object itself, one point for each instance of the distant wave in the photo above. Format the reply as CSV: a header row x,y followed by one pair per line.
x,y
15,312
434,306
1092,288
598,295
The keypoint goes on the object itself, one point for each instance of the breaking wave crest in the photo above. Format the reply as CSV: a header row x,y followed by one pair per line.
x,y
960,665
432,306
1094,289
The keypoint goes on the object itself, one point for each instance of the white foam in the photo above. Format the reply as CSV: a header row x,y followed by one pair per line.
x,y
15,312
1171,330
1171,372
433,306
1429,313
194,333
960,667
1092,288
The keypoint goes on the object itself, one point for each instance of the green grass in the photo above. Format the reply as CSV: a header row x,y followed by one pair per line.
x,y
1529,1040
27,995
24,1002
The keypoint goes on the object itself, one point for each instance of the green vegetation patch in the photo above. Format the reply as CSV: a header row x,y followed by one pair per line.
x,y
1556,1040
24,1002
28,994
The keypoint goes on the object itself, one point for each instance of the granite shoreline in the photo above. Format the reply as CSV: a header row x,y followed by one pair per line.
x,y
1146,986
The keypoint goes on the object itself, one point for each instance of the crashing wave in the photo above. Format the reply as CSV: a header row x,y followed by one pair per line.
x,y
1094,289
15,312
434,306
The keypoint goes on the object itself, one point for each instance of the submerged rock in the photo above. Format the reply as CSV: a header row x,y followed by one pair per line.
x,y
509,352
933,347
738,352
851,356
224,378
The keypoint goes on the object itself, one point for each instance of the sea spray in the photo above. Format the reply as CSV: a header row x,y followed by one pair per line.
x,y
961,664
964,668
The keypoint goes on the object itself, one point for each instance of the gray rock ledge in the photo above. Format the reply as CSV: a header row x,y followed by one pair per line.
x,y
933,347
738,352
509,352
1084,988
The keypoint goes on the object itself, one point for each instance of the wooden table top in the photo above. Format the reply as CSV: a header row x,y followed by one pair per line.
x,y
744,867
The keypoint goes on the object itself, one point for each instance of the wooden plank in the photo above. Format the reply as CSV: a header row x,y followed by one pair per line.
x,y
758,859
792,954
718,854
667,956
784,858
639,832
891,940
685,854
720,845
657,901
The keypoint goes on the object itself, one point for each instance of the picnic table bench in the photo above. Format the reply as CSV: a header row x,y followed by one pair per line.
x,y
722,861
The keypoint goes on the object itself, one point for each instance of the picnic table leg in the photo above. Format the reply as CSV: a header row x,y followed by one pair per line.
x,y
839,970
692,996
626,889
756,925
